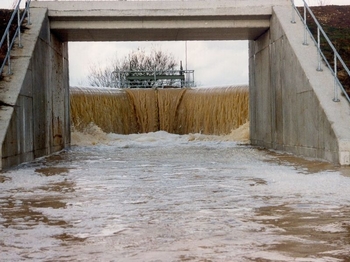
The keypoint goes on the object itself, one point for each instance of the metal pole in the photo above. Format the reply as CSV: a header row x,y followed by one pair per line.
x,y
293,13
305,26
193,79
9,54
319,67
335,99
186,76
155,77
28,12
19,29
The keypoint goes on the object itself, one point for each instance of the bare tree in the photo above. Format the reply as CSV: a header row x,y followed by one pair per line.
x,y
100,77
137,63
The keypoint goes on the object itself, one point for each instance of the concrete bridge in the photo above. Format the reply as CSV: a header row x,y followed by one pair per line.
x,y
291,107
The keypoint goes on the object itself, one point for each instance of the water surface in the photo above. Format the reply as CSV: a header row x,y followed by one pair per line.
x,y
163,197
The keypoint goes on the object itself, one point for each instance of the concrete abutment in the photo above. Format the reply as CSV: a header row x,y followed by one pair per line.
x,y
38,125
290,102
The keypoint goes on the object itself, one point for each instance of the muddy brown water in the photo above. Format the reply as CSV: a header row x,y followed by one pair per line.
x,y
163,197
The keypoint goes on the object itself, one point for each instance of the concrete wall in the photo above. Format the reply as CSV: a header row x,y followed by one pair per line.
x,y
290,102
39,123
291,107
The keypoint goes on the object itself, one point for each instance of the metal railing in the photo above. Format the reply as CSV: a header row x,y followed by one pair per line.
x,y
154,79
321,56
7,37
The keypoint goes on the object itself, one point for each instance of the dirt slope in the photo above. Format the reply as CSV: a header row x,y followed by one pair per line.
x,y
5,16
335,21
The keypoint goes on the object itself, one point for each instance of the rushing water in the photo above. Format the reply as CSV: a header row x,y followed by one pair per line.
x,y
181,111
166,197
158,196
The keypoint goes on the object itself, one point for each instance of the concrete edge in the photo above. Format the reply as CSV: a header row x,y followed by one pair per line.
x,y
156,5
159,8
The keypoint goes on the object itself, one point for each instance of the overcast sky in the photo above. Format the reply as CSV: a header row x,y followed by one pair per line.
x,y
216,63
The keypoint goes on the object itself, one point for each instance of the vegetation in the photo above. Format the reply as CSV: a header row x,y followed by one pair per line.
x,y
136,63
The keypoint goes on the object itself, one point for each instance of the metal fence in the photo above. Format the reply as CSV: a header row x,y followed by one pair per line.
x,y
317,37
8,40
153,79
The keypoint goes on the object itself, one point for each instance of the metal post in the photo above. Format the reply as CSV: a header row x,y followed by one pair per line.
x,y
293,13
319,67
305,26
335,99
155,78
9,54
19,28
28,12
186,76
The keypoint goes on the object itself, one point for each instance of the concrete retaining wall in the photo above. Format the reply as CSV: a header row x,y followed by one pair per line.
x,y
291,107
39,123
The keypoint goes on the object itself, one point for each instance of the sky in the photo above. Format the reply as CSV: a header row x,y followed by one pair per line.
x,y
215,63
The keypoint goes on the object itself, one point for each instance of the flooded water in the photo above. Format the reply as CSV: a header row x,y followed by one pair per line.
x,y
166,197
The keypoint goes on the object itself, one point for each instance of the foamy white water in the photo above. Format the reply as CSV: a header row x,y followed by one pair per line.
x,y
165,197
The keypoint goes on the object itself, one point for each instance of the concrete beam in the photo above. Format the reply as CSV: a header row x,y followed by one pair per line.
x,y
147,20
